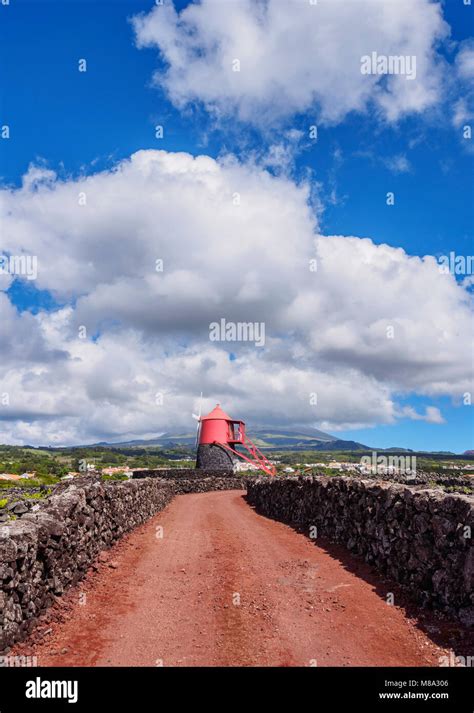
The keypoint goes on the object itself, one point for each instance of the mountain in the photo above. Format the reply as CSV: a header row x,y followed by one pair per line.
x,y
285,439
163,441
308,439
395,449
340,445
311,433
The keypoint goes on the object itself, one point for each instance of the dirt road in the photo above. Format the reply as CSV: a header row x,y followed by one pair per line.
x,y
226,586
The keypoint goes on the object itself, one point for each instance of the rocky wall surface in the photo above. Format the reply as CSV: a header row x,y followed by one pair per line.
x,y
181,473
430,479
208,483
212,456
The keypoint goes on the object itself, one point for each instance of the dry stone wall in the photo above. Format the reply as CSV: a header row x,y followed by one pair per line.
x,y
208,483
462,483
422,539
192,474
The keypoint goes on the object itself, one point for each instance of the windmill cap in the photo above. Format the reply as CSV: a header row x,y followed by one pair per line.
x,y
217,414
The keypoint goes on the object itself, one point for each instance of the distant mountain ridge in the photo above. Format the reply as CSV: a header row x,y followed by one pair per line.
x,y
265,438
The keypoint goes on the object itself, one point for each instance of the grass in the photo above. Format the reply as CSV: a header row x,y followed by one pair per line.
x,y
461,489
38,496
116,476
33,483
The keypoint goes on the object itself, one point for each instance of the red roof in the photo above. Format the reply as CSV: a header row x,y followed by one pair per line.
x,y
217,414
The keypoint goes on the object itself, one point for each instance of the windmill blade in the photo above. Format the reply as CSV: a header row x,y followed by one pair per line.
x,y
198,419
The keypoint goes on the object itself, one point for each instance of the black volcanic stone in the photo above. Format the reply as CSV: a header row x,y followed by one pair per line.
x,y
211,456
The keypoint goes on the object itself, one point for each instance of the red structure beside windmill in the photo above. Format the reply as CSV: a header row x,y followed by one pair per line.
x,y
218,436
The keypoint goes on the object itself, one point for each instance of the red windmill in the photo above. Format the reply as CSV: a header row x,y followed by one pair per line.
x,y
218,435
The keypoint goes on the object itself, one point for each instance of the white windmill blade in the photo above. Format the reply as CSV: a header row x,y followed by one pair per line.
x,y
196,416
198,419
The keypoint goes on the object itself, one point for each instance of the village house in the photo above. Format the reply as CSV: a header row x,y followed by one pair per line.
x,y
117,469
241,467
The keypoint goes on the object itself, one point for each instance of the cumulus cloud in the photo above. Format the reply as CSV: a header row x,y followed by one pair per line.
x,y
266,60
348,321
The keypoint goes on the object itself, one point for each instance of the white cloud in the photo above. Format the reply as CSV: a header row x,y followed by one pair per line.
x,y
369,324
398,164
295,56
463,112
431,415
465,60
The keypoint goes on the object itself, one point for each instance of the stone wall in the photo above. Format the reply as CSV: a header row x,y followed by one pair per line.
x,y
448,481
181,473
15,502
421,539
44,552
208,483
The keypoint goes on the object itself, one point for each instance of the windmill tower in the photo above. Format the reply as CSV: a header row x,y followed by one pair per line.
x,y
216,439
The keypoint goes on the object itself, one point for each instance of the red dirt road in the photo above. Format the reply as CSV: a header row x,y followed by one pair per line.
x,y
226,586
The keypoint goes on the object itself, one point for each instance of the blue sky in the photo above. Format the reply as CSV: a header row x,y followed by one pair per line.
x,y
77,121
81,123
